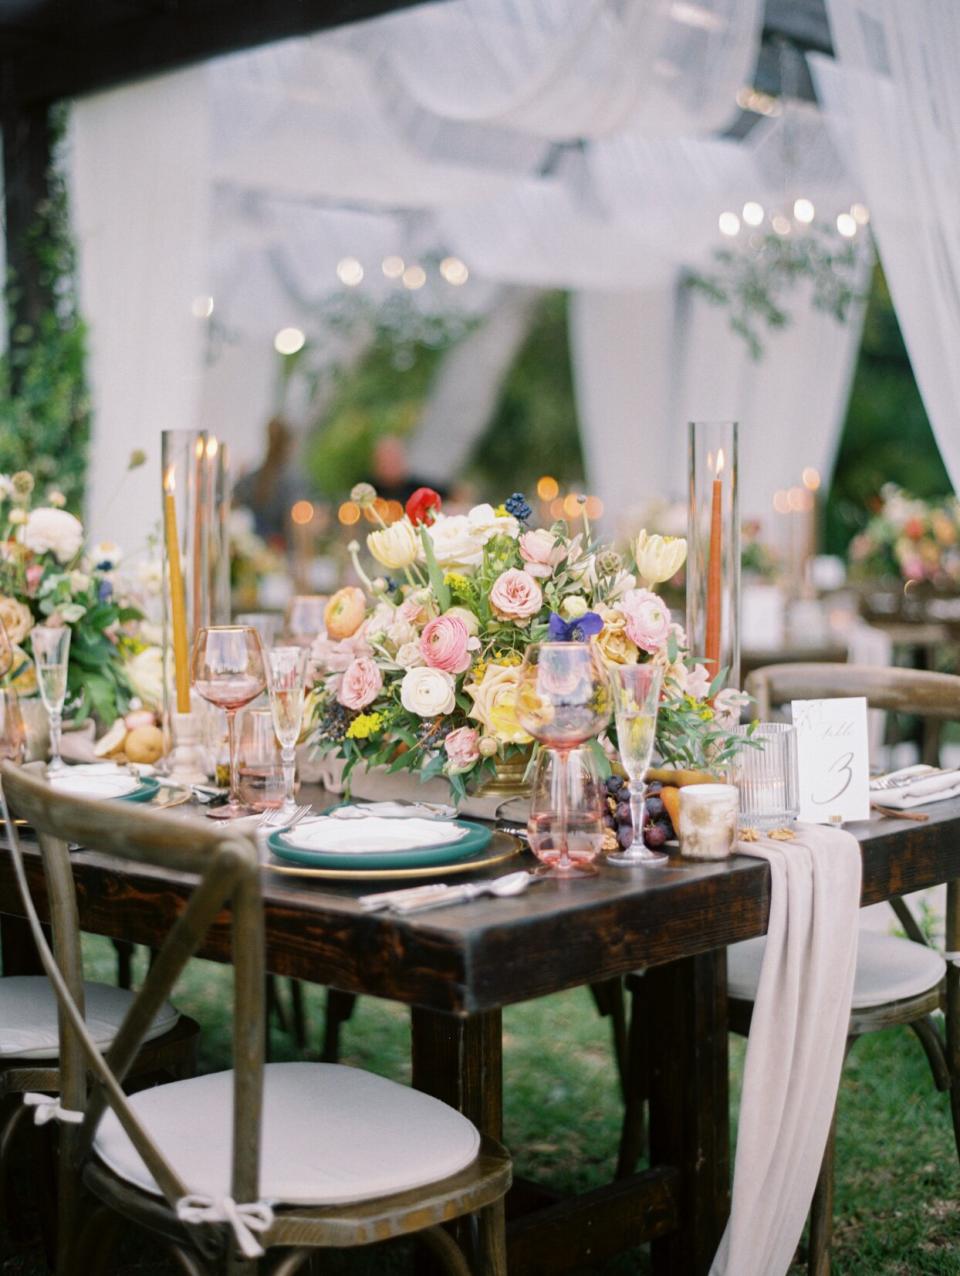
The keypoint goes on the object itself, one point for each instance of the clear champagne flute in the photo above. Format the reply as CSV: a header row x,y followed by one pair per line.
x,y
563,700
228,671
287,667
636,698
51,655
305,618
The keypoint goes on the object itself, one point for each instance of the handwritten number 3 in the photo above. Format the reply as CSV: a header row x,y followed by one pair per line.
x,y
842,767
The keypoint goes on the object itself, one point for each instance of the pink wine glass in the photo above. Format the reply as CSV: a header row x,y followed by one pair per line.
x,y
229,671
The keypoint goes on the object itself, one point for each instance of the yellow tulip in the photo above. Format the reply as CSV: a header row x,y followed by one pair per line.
x,y
659,557
396,546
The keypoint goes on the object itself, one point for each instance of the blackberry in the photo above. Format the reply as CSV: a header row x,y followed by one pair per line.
x,y
336,721
518,507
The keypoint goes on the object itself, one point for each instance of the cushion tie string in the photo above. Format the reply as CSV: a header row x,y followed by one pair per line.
x,y
952,958
243,1219
48,1109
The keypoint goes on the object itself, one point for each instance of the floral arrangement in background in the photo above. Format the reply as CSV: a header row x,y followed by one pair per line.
x,y
917,540
757,558
46,579
419,668
251,558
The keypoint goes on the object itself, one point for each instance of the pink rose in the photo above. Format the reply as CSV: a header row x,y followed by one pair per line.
x,y
360,684
328,656
540,551
515,596
445,644
648,619
463,748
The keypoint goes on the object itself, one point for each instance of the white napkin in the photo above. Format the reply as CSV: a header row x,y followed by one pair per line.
x,y
796,1046
930,785
394,811
373,834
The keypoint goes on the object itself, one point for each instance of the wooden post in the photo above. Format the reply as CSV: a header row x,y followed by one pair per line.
x,y
26,163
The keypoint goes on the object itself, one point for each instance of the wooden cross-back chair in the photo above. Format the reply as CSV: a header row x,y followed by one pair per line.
x,y
898,981
344,1158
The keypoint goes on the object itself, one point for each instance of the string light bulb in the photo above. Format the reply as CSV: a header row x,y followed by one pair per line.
x,y
729,224
289,341
349,271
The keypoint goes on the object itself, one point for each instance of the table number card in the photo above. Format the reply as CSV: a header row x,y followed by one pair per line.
x,y
833,760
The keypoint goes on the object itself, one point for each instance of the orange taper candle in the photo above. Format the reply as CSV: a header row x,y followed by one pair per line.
x,y
715,573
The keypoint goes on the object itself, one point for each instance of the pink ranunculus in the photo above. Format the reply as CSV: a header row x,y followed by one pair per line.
x,y
360,684
445,644
515,596
540,552
648,619
463,748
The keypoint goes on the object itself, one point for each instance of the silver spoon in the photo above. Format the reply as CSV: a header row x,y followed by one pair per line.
x,y
502,887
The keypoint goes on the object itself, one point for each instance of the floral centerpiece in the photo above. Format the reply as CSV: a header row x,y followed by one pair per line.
x,y
419,668
909,538
46,579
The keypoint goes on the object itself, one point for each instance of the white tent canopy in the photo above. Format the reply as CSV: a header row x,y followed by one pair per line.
x,y
553,144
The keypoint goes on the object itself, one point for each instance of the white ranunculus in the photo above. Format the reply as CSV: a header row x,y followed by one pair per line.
x,y
427,692
106,555
53,531
456,544
486,523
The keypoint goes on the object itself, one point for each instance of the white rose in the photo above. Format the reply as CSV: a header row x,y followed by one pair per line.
x,y
54,531
409,655
455,543
427,692
401,633
145,674
79,582
486,523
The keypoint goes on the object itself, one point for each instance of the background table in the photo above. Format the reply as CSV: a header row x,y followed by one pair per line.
x,y
457,967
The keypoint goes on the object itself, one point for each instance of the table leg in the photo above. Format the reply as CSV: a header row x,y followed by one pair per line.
x,y
19,952
689,1104
459,1060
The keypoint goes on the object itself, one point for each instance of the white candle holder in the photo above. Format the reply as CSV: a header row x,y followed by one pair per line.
x,y
186,761
708,821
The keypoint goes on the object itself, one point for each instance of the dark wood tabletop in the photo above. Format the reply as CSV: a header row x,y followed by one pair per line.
x,y
456,967
494,952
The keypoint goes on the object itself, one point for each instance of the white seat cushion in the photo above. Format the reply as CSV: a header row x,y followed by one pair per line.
x,y
331,1134
888,969
28,1016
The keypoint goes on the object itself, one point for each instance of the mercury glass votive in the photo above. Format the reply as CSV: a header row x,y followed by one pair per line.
x,y
708,820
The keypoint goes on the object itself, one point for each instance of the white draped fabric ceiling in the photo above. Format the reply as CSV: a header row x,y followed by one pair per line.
x,y
547,144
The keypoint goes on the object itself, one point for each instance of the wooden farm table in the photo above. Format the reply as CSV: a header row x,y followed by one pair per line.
x,y
457,967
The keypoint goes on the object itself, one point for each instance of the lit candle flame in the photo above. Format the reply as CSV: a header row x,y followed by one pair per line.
x,y
168,479
212,447
719,461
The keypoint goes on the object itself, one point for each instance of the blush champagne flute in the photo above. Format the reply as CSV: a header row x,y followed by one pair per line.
x,y
229,672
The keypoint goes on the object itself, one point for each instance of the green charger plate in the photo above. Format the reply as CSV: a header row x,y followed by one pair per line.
x,y
477,839
146,792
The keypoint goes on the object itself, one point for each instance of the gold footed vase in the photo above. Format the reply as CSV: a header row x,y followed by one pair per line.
x,y
508,779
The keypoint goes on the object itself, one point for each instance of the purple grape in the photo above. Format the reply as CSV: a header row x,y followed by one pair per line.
x,y
623,813
654,787
625,836
609,821
655,807
654,835
614,784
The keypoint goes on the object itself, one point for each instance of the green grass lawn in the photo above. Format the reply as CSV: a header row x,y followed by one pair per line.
x,y
898,1188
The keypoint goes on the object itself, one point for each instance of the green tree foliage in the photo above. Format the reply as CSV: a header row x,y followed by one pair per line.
x,y
887,436
534,428
45,423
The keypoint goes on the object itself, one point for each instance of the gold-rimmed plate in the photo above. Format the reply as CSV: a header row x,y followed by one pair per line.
x,y
502,846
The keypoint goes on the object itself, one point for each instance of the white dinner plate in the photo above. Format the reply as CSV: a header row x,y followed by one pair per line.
x,y
81,782
370,836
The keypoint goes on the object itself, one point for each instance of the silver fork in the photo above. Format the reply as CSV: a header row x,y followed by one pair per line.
x,y
276,818
896,781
